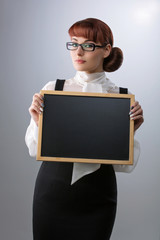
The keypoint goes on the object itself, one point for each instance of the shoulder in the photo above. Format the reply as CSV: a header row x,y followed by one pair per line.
x,y
69,81
49,86
113,88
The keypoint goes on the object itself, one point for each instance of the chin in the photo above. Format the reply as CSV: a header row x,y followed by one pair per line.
x,y
80,68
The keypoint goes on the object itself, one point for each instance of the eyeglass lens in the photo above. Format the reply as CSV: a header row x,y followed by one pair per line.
x,y
85,46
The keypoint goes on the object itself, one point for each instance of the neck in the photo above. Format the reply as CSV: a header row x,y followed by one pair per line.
x,y
83,77
98,71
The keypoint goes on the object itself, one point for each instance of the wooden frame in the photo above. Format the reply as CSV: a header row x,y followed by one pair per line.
x,y
62,158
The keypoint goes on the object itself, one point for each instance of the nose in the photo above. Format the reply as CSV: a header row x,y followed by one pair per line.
x,y
80,51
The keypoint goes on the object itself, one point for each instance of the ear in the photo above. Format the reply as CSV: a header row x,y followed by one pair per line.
x,y
107,50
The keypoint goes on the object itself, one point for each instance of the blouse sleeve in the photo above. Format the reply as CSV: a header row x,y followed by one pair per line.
x,y
127,168
31,136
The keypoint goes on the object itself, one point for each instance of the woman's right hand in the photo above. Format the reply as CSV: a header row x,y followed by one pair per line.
x,y
36,107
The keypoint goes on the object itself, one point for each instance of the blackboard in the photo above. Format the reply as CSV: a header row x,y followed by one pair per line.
x,y
86,127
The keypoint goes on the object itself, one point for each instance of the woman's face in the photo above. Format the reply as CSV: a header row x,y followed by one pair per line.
x,y
89,62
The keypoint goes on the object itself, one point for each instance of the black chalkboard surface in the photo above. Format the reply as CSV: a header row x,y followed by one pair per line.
x,y
86,127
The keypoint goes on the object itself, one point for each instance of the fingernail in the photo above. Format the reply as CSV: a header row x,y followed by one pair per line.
x,y
41,109
130,112
132,107
132,115
42,104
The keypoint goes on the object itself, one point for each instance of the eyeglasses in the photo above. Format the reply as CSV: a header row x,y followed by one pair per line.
x,y
85,46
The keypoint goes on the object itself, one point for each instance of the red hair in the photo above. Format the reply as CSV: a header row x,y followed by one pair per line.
x,y
92,29
99,32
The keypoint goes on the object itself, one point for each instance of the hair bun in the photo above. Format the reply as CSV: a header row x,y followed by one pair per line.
x,y
114,60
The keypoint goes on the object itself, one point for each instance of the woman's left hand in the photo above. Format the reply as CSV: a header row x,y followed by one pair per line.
x,y
136,114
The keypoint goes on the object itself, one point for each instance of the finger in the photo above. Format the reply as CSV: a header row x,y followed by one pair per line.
x,y
38,95
135,108
38,103
35,108
137,117
134,104
138,112
39,99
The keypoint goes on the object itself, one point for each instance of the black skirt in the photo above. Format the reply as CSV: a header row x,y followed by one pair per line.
x,y
84,210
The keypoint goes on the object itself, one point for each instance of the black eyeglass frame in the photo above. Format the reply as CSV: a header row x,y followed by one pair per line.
x,y
81,45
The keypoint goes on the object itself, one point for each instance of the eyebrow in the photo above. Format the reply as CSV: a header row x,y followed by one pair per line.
x,y
87,40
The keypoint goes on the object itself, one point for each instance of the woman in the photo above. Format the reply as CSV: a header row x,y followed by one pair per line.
x,y
78,200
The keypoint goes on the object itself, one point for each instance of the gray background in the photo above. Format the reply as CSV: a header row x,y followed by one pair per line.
x,y
32,52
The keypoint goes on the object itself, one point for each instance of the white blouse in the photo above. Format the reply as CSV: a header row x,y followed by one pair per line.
x,y
82,82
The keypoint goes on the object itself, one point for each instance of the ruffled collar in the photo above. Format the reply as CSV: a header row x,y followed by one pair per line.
x,y
93,82
83,77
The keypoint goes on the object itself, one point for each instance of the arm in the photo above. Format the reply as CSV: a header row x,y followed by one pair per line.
x,y
31,138
36,108
136,114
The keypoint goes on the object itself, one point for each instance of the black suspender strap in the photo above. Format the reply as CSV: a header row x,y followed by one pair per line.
x,y
123,90
59,84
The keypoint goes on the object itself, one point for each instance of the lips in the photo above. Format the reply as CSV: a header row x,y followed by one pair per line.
x,y
80,61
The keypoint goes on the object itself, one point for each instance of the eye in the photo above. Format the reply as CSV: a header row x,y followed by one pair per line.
x,y
88,45
73,44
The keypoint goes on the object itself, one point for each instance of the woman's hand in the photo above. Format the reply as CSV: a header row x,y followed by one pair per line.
x,y
36,107
136,114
